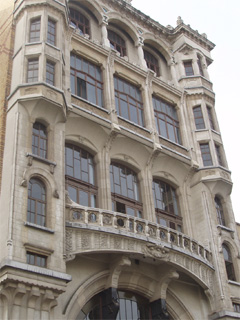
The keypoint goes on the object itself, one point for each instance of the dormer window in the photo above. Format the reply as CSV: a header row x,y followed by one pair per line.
x,y
79,21
117,43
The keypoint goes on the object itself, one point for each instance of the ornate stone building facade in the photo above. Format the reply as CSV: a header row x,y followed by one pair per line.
x,y
115,190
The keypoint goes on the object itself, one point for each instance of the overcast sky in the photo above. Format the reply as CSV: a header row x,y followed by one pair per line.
x,y
220,20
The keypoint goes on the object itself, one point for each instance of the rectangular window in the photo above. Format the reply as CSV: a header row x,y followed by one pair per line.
x,y
206,155
86,80
36,259
50,72
236,307
210,117
218,153
198,117
128,101
166,120
32,71
188,68
51,33
35,26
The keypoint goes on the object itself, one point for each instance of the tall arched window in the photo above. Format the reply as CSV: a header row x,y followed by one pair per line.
x,y
219,209
79,171
36,212
39,140
117,42
152,62
166,205
125,190
79,21
228,262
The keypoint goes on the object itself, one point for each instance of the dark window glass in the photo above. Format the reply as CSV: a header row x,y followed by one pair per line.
x,y
125,191
236,307
188,68
86,80
166,205
219,209
36,212
206,155
199,62
152,62
36,259
166,120
117,43
79,21
32,71
219,156
39,140
79,172
210,117
51,33
198,117
228,263
35,27
50,72
128,101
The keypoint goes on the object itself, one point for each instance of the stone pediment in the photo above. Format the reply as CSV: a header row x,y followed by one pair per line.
x,y
185,49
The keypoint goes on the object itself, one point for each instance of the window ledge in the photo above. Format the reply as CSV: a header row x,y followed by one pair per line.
x,y
52,46
133,123
32,156
225,228
88,102
36,226
234,283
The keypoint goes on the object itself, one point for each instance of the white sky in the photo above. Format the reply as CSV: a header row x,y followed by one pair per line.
x,y
220,20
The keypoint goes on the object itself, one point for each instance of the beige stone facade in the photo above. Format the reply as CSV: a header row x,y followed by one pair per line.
x,y
115,190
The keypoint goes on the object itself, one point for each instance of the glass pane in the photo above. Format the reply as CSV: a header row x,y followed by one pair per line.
x,y
83,198
72,193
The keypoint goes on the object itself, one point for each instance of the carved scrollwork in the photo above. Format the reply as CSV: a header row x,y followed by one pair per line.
x,y
156,251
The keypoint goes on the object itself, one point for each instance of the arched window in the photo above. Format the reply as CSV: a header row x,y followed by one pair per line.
x,y
36,212
219,209
125,190
166,120
79,21
228,262
166,205
80,180
117,42
39,140
152,62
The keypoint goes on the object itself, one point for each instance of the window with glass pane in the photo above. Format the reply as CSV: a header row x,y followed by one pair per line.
x,y
206,155
219,209
39,140
228,262
166,120
79,21
199,62
36,259
128,101
198,117
125,190
79,173
51,33
32,70
36,212
117,43
219,155
188,68
210,117
86,80
152,62
50,72
35,27
166,205
236,307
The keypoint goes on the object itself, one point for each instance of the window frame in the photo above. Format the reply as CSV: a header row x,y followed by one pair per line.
x,y
41,139
32,67
33,255
218,150
34,203
210,118
228,262
171,216
169,121
188,67
117,42
50,72
198,118
51,31
119,199
200,66
206,154
220,211
82,27
32,33
152,65
79,184
128,101
84,74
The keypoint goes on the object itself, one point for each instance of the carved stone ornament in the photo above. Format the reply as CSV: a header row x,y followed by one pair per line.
x,y
156,251
24,183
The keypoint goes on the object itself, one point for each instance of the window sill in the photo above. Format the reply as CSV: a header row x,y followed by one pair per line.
x,y
31,156
234,283
134,124
88,102
52,46
36,226
225,228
